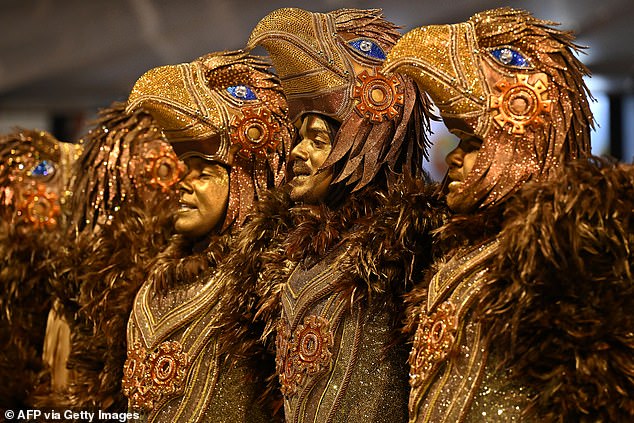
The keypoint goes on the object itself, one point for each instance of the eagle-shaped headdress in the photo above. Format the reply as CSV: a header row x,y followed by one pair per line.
x,y
224,107
329,64
510,79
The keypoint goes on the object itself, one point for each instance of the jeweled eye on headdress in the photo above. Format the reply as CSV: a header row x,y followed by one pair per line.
x,y
508,56
368,48
242,92
43,170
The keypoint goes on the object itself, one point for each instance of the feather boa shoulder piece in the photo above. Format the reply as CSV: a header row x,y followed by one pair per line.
x,y
561,298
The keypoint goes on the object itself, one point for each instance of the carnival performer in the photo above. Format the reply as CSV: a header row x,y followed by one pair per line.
x,y
226,116
528,315
123,196
359,219
34,170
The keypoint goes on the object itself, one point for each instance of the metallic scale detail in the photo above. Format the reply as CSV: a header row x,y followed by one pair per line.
x,y
377,96
147,378
433,342
162,167
40,208
256,132
520,104
306,353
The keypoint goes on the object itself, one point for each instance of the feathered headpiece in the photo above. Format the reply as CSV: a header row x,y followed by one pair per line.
x,y
125,157
511,80
329,64
221,104
34,170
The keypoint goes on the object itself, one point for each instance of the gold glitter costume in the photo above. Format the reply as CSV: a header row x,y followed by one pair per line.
x,y
34,170
213,107
338,289
498,332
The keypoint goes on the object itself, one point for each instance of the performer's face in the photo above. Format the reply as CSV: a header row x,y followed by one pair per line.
x,y
309,185
460,161
204,194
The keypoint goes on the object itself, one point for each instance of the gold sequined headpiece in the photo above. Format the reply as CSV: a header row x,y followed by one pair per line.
x,y
329,64
224,107
513,81
34,170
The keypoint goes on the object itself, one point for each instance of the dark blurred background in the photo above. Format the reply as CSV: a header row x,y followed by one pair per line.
x,y
60,61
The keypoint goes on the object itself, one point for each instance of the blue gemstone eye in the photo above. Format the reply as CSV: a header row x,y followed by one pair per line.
x,y
509,57
44,168
242,92
367,48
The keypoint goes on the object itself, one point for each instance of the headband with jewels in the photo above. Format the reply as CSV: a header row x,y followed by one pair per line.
x,y
224,107
329,63
510,79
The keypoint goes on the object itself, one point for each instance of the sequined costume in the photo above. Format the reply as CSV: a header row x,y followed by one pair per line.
x,y
519,320
339,266
220,104
123,193
34,170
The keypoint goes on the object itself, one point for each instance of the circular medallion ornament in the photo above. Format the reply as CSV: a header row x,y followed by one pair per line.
x,y
40,208
256,132
162,167
314,341
377,96
521,103
149,378
304,354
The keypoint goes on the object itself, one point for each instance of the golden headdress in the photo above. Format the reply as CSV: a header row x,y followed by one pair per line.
x,y
220,104
34,170
329,64
513,81
125,157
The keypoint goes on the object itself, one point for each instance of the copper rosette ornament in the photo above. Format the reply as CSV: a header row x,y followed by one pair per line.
x,y
39,208
378,96
305,354
148,378
162,168
520,103
255,133
433,342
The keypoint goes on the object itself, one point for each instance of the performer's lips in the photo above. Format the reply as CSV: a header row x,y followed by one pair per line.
x,y
455,179
301,169
185,206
